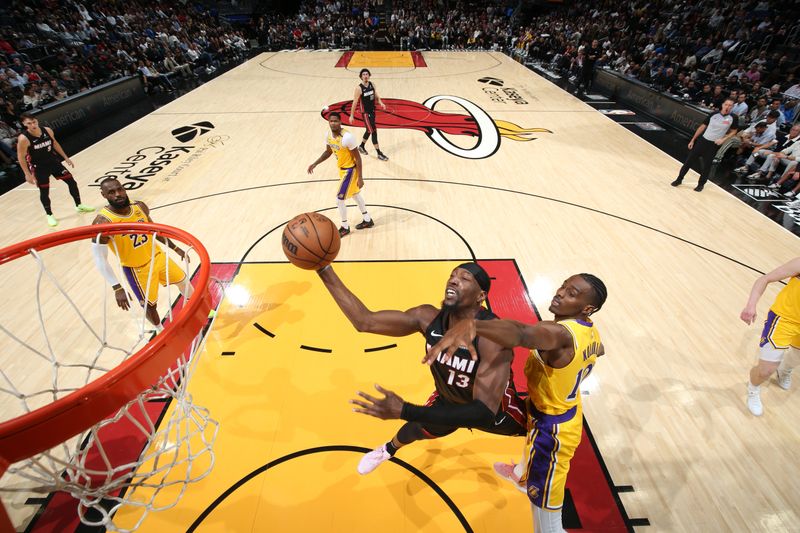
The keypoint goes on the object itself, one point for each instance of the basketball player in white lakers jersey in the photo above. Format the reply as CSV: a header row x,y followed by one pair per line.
x,y
563,353
144,267
781,331
351,178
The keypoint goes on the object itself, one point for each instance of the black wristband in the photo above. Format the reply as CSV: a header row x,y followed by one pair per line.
x,y
410,412
474,414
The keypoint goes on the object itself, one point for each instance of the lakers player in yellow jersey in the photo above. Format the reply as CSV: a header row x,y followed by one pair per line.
x,y
781,331
563,353
144,268
351,178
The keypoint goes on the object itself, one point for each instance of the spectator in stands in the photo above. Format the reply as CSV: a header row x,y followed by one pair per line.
x,y
738,72
795,177
714,55
15,79
790,111
31,97
152,77
173,66
777,105
753,74
755,138
759,112
783,153
740,108
706,98
718,97
8,138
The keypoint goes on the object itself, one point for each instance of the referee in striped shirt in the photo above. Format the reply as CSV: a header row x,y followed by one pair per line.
x,y
717,129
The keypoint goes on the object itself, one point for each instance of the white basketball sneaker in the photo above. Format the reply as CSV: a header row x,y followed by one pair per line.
x,y
785,379
506,471
373,460
754,402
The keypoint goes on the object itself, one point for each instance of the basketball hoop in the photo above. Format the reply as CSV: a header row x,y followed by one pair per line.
x,y
60,445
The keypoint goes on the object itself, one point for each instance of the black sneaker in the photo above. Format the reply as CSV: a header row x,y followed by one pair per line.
x,y
344,231
364,224
699,187
382,156
676,183
362,149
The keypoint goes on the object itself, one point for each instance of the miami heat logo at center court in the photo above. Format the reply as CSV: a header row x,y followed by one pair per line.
x,y
405,114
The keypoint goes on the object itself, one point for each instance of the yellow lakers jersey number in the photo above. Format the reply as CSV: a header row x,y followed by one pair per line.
x,y
132,250
787,303
554,391
341,147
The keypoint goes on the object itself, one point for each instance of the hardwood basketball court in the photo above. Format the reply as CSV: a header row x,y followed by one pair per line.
x,y
535,179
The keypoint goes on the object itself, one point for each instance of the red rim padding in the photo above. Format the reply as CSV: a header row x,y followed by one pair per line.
x,y
46,427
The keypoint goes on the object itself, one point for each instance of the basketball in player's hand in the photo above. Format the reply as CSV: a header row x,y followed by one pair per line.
x,y
310,241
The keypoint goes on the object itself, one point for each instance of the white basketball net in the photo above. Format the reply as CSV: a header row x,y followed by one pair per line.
x,y
76,343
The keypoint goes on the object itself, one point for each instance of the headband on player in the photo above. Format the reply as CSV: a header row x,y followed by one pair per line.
x,y
479,274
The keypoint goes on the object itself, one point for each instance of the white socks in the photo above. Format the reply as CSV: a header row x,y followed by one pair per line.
x,y
546,521
362,206
342,212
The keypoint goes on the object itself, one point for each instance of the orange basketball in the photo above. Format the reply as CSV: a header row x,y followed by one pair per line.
x,y
310,241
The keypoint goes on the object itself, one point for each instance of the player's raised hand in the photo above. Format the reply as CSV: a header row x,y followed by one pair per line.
x,y
387,408
459,336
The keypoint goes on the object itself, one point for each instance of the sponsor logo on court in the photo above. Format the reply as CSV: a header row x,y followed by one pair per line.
x,y
504,95
439,126
492,81
186,133
146,163
760,193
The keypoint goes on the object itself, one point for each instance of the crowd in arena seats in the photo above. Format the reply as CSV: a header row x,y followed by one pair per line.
x,y
408,25
701,51
50,50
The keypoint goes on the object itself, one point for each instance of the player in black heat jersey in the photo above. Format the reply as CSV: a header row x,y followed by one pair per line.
x,y
40,157
366,92
469,393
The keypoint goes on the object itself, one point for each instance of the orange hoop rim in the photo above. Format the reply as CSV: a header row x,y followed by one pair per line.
x,y
44,428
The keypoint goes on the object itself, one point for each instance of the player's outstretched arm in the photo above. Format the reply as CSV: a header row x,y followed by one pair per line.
x,y
392,323
787,270
506,333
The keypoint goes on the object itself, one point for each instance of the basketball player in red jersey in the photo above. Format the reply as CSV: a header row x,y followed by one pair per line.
x,y
368,94
469,393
